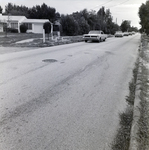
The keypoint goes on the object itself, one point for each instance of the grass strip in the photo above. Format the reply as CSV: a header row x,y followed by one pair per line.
x,y
143,122
122,139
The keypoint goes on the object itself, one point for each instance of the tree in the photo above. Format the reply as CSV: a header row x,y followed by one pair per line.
x,y
43,12
109,22
16,10
83,26
82,23
47,27
69,24
125,26
101,18
144,17
92,19
1,9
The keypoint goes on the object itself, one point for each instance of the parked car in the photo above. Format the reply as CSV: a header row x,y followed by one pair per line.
x,y
133,32
119,34
126,34
130,33
95,35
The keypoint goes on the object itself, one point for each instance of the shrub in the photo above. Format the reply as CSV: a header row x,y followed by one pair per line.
x,y
47,27
23,28
10,30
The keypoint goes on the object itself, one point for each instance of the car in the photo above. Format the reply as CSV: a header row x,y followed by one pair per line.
x,y
95,35
130,33
133,32
118,34
126,34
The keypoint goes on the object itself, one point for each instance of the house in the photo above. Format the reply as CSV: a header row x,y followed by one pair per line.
x,y
11,21
14,22
34,25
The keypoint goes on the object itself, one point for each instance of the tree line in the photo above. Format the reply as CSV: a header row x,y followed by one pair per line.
x,y
77,23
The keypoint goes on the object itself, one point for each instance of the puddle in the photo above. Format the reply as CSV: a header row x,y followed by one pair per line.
x,y
49,60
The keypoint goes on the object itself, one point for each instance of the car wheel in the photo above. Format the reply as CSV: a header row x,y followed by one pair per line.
x,y
85,40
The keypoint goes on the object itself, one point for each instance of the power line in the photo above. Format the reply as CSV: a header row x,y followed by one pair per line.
x,y
102,4
111,6
119,4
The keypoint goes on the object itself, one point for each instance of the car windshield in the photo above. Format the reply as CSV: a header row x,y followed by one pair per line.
x,y
118,31
94,32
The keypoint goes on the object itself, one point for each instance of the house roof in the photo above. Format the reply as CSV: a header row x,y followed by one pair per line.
x,y
21,19
35,20
4,18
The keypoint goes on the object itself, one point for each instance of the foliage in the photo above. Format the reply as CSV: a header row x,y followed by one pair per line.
x,y
1,9
70,25
125,26
82,23
43,12
16,10
144,16
36,12
10,30
90,20
23,28
47,27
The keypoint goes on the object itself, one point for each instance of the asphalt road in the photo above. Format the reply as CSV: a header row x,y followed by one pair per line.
x,y
65,97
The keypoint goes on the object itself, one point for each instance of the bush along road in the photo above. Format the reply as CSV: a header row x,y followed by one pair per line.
x,y
133,133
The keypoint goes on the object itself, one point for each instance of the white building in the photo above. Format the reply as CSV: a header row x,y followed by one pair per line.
x,y
11,21
34,25
14,22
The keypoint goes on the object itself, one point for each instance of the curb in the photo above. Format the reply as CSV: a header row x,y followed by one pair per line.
x,y
134,128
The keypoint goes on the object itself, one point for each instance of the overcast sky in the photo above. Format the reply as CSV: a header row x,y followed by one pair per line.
x,y
120,9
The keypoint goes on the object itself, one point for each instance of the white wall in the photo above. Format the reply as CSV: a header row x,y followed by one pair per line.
x,y
1,28
38,28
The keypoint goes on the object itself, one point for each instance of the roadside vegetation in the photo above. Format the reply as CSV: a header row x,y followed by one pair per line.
x,y
144,15
122,139
143,122
139,83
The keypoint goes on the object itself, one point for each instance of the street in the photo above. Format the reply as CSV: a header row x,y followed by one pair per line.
x,y
65,97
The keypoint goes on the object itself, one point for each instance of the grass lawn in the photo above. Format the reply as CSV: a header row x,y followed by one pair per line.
x,y
10,40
